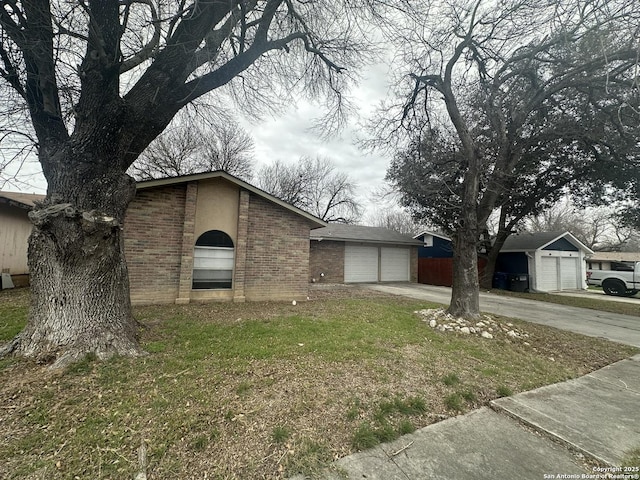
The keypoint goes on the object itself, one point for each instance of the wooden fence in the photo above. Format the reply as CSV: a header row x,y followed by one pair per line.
x,y
439,271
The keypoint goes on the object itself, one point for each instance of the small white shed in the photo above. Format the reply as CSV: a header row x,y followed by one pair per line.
x,y
554,261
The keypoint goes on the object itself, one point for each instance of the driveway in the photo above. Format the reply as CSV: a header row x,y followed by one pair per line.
x,y
599,295
618,328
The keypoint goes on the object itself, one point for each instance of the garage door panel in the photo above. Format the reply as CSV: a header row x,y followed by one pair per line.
x,y
568,273
394,264
360,264
548,277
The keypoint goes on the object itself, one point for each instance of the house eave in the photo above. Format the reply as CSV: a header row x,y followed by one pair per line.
x,y
142,185
433,234
364,240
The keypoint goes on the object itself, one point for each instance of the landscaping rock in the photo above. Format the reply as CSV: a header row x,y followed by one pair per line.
x,y
488,327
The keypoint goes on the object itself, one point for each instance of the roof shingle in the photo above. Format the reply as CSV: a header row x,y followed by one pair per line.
x,y
361,233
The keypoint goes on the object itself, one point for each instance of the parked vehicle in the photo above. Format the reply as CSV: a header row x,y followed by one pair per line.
x,y
623,282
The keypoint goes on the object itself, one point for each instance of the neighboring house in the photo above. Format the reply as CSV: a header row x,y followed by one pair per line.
x,y
434,245
553,261
212,236
548,261
612,260
15,228
435,259
359,254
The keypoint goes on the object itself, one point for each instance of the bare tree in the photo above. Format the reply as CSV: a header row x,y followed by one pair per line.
x,y
100,80
314,185
513,82
229,148
189,148
394,219
599,228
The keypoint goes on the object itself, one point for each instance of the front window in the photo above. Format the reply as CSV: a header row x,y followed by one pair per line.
x,y
213,261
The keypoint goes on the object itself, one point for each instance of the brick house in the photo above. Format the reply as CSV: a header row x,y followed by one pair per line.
x,y
360,254
212,236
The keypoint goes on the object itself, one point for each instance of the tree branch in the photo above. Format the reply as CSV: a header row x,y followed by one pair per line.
x,y
151,47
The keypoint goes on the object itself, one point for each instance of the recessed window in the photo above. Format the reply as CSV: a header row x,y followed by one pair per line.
x,y
213,261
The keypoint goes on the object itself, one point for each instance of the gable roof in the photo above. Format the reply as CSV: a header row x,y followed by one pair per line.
x,y
361,233
539,240
20,200
160,182
433,234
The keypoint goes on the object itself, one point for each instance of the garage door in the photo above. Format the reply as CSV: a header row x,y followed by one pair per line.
x,y
394,264
360,264
548,276
558,273
569,273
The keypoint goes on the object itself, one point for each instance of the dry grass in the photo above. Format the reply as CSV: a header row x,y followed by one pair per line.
x,y
264,390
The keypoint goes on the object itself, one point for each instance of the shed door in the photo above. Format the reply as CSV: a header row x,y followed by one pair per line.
x,y
394,264
547,280
569,273
360,264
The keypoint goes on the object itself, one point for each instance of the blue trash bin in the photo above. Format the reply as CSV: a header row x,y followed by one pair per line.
x,y
501,280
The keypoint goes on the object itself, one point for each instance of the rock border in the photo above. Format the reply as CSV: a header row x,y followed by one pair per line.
x,y
487,327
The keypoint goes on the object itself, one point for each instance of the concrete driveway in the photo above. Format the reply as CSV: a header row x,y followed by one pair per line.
x,y
618,328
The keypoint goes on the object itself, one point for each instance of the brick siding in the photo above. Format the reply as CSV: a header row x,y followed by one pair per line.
x,y
153,243
277,263
158,240
326,257
413,265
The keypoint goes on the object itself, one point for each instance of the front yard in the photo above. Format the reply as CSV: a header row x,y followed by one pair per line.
x,y
264,390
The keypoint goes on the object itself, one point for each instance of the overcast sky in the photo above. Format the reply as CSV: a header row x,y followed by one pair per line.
x,y
289,137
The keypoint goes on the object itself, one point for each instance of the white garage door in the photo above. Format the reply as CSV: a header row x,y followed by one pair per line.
x,y
360,264
548,276
568,273
394,264
558,273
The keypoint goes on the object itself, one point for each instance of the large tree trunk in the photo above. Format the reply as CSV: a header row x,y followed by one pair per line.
x,y
465,298
465,294
79,283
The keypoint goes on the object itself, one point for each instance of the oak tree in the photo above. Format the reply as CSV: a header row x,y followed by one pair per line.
x,y
100,80
514,102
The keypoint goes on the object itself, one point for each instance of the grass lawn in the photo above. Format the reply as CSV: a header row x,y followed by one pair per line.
x,y
624,308
263,390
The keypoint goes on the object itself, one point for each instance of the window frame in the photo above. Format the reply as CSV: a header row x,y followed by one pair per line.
x,y
217,263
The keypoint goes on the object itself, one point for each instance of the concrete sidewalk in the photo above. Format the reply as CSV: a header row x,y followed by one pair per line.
x,y
548,431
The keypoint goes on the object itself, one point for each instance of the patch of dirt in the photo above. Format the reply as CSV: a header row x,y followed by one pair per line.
x,y
325,291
